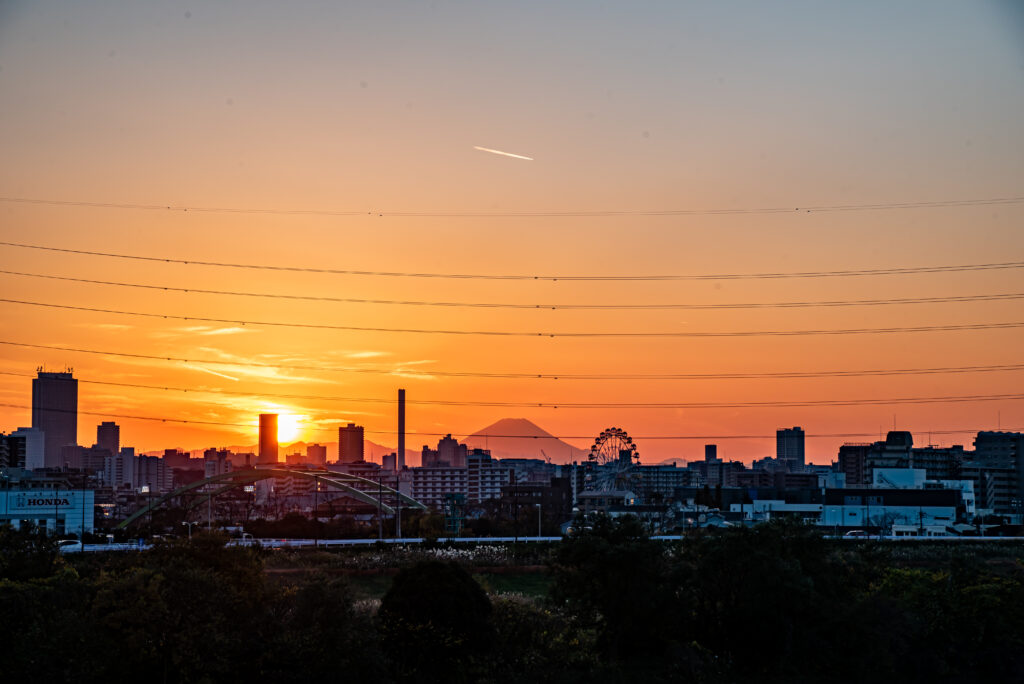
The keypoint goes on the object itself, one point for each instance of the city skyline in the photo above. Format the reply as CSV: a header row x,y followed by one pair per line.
x,y
873,150
517,437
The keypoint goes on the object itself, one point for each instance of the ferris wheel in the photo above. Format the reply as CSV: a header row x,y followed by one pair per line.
x,y
612,461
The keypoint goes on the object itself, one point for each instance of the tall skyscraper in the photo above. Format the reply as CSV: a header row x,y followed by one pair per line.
x,y
350,443
55,412
789,448
108,436
268,440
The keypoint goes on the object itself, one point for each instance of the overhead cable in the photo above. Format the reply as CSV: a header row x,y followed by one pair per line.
x,y
594,213
516,333
333,430
909,270
567,404
552,307
399,370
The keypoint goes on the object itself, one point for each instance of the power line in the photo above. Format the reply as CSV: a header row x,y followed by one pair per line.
x,y
190,421
911,270
405,372
552,307
569,405
512,333
831,208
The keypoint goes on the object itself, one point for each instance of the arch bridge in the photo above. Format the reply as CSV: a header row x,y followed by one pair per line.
x,y
225,482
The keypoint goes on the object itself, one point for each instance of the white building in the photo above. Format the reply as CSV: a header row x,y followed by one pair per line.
x,y
120,469
35,452
152,472
915,478
884,508
966,489
898,478
59,511
485,477
429,485
766,509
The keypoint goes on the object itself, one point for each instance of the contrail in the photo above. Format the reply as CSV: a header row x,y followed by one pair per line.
x,y
212,372
504,154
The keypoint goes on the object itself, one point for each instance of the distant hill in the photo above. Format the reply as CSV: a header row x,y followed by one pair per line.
x,y
374,452
520,438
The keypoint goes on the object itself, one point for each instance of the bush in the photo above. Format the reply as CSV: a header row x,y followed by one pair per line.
x,y
438,620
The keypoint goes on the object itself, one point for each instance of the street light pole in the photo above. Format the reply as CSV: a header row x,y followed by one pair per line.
x,y
538,520
398,507
380,509
190,524
147,489
249,490
515,500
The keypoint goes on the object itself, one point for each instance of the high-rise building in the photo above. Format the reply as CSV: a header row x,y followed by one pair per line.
x,y
25,448
449,453
120,470
108,436
268,440
997,468
350,443
853,458
789,448
151,472
55,412
316,454
216,462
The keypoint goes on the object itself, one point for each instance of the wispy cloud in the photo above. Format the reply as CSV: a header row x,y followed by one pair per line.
x,y
356,353
228,365
203,330
206,330
105,326
211,372
402,370
366,354
504,154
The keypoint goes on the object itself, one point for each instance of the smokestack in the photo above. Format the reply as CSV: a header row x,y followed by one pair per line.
x,y
401,430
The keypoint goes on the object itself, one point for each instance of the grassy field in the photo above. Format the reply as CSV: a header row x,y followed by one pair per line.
x,y
531,584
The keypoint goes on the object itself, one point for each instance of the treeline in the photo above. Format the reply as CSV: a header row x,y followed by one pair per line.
x,y
776,603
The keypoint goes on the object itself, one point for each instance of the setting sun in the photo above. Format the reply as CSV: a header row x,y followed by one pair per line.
x,y
288,428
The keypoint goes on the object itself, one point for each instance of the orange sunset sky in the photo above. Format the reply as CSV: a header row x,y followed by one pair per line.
x,y
344,137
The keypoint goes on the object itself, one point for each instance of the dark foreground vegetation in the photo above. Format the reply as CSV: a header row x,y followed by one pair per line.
x,y
776,603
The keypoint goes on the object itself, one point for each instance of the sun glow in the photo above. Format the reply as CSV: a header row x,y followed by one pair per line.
x,y
288,428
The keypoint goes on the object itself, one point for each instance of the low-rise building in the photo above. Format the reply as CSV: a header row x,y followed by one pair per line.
x,y
882,508
50,503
